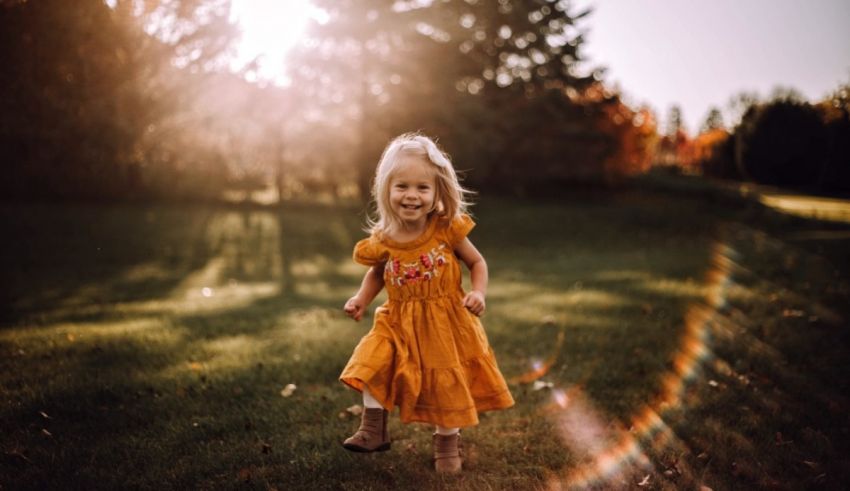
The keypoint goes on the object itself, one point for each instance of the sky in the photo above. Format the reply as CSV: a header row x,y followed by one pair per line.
x,y
699,53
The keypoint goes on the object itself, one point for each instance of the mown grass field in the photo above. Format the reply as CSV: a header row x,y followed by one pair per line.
x,y
675,343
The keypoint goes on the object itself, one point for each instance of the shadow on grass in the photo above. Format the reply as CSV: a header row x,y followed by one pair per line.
x,y
157,352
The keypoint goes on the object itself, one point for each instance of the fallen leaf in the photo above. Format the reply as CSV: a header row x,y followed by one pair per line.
x,y
288,390
713,383
44,431
793,313
539,385
44,415
195,366
644,481
355,410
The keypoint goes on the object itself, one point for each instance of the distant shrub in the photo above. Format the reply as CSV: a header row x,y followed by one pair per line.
x,y
783,142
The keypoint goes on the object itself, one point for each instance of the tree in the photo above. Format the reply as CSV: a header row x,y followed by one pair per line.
x,y
495,60
713,120
782,143
738,105
89,91
675,121
835,113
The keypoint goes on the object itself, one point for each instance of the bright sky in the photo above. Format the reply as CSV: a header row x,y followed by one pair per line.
x,y
700,53
270,28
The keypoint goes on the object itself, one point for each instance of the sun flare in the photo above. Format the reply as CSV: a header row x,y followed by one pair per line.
x,y
270,29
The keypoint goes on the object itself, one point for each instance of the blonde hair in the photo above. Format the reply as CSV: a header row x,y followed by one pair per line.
x,y
449,197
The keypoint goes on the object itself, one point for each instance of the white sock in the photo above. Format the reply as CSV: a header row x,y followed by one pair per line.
x,y
447,431
369,401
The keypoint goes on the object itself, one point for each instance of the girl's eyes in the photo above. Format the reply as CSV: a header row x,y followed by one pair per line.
x,y
421,187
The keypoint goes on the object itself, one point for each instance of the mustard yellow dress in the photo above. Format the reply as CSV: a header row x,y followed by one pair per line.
x,y
426,353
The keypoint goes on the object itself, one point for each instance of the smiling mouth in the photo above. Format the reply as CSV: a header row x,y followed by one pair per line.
x,y
411,207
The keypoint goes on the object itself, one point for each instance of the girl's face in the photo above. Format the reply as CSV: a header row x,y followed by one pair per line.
x,y
413,191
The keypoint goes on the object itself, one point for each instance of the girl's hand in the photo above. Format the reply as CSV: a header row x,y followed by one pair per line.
x,y
474,301
354,308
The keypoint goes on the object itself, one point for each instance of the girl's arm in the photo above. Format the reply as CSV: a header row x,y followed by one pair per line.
x,y
474,300
373,283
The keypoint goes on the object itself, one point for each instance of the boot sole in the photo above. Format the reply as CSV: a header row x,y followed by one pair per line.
x,y
380,448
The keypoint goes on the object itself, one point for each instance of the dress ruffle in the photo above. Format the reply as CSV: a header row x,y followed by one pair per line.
x,y
450,397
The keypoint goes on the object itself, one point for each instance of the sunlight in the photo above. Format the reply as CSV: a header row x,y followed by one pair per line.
x,y
613,453
270,29
831,209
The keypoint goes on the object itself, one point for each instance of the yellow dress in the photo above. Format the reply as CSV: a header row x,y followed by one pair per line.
x,y
426,353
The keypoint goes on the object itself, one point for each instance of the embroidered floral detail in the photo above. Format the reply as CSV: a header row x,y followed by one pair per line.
x,y
399,273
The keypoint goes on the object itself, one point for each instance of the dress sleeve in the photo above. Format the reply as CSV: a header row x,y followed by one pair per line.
x,y
369,252
459,228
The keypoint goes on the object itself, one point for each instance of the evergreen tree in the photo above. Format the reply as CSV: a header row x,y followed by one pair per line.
x,y
466,68
675,123
713,120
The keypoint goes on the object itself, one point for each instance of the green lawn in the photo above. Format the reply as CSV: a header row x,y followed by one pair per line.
x,y
674,344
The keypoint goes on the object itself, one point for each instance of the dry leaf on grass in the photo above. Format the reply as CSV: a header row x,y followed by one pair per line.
x,y
288,390
644,481
539,385
355,410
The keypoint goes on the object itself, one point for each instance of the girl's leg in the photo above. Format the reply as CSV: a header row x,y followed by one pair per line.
x,y
447,459
372,434
447,431
369,401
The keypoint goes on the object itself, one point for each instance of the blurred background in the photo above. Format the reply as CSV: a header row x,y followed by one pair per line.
x,y
274,101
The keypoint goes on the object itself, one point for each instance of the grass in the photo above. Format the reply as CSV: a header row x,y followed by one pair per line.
x,y
676,344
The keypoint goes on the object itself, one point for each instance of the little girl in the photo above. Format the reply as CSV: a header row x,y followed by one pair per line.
x,y
427,352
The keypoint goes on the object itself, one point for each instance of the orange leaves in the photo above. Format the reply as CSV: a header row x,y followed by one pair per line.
x,y
635,135
705,145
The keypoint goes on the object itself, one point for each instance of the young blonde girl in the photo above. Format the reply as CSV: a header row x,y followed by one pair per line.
x,y
427,352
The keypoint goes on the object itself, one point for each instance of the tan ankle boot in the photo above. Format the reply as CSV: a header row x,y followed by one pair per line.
x,y
372,434
447,459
